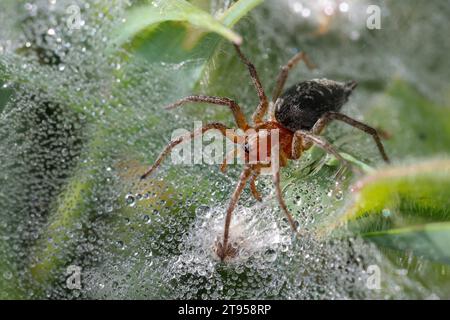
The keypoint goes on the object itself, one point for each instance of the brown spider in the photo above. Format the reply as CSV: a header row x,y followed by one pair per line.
x,y
300,116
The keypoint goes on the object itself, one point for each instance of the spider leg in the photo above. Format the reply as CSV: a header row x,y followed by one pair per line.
x,y
239,117
309,139
282,76
276,182
261,110
297,147
228,158
253,188
189,136
223,249
320,125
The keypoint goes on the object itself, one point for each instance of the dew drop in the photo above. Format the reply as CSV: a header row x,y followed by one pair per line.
x,y
130,200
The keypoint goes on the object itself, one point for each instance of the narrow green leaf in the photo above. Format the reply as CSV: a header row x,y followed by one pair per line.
x,y
426,183
61,231
238,10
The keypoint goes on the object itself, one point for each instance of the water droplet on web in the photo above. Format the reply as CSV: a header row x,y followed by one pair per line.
x,y
339,194
270,255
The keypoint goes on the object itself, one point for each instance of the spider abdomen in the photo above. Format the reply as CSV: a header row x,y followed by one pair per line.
x,y
304,103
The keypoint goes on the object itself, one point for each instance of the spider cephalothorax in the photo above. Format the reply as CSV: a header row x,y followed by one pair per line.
x,y
300,116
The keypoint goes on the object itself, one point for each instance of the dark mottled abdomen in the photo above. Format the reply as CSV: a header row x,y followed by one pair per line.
x,y
303,104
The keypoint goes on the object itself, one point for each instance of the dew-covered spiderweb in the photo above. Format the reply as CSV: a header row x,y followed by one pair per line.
x,y
81,119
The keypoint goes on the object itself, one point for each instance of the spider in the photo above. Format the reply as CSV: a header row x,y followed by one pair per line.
x,y
300,114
